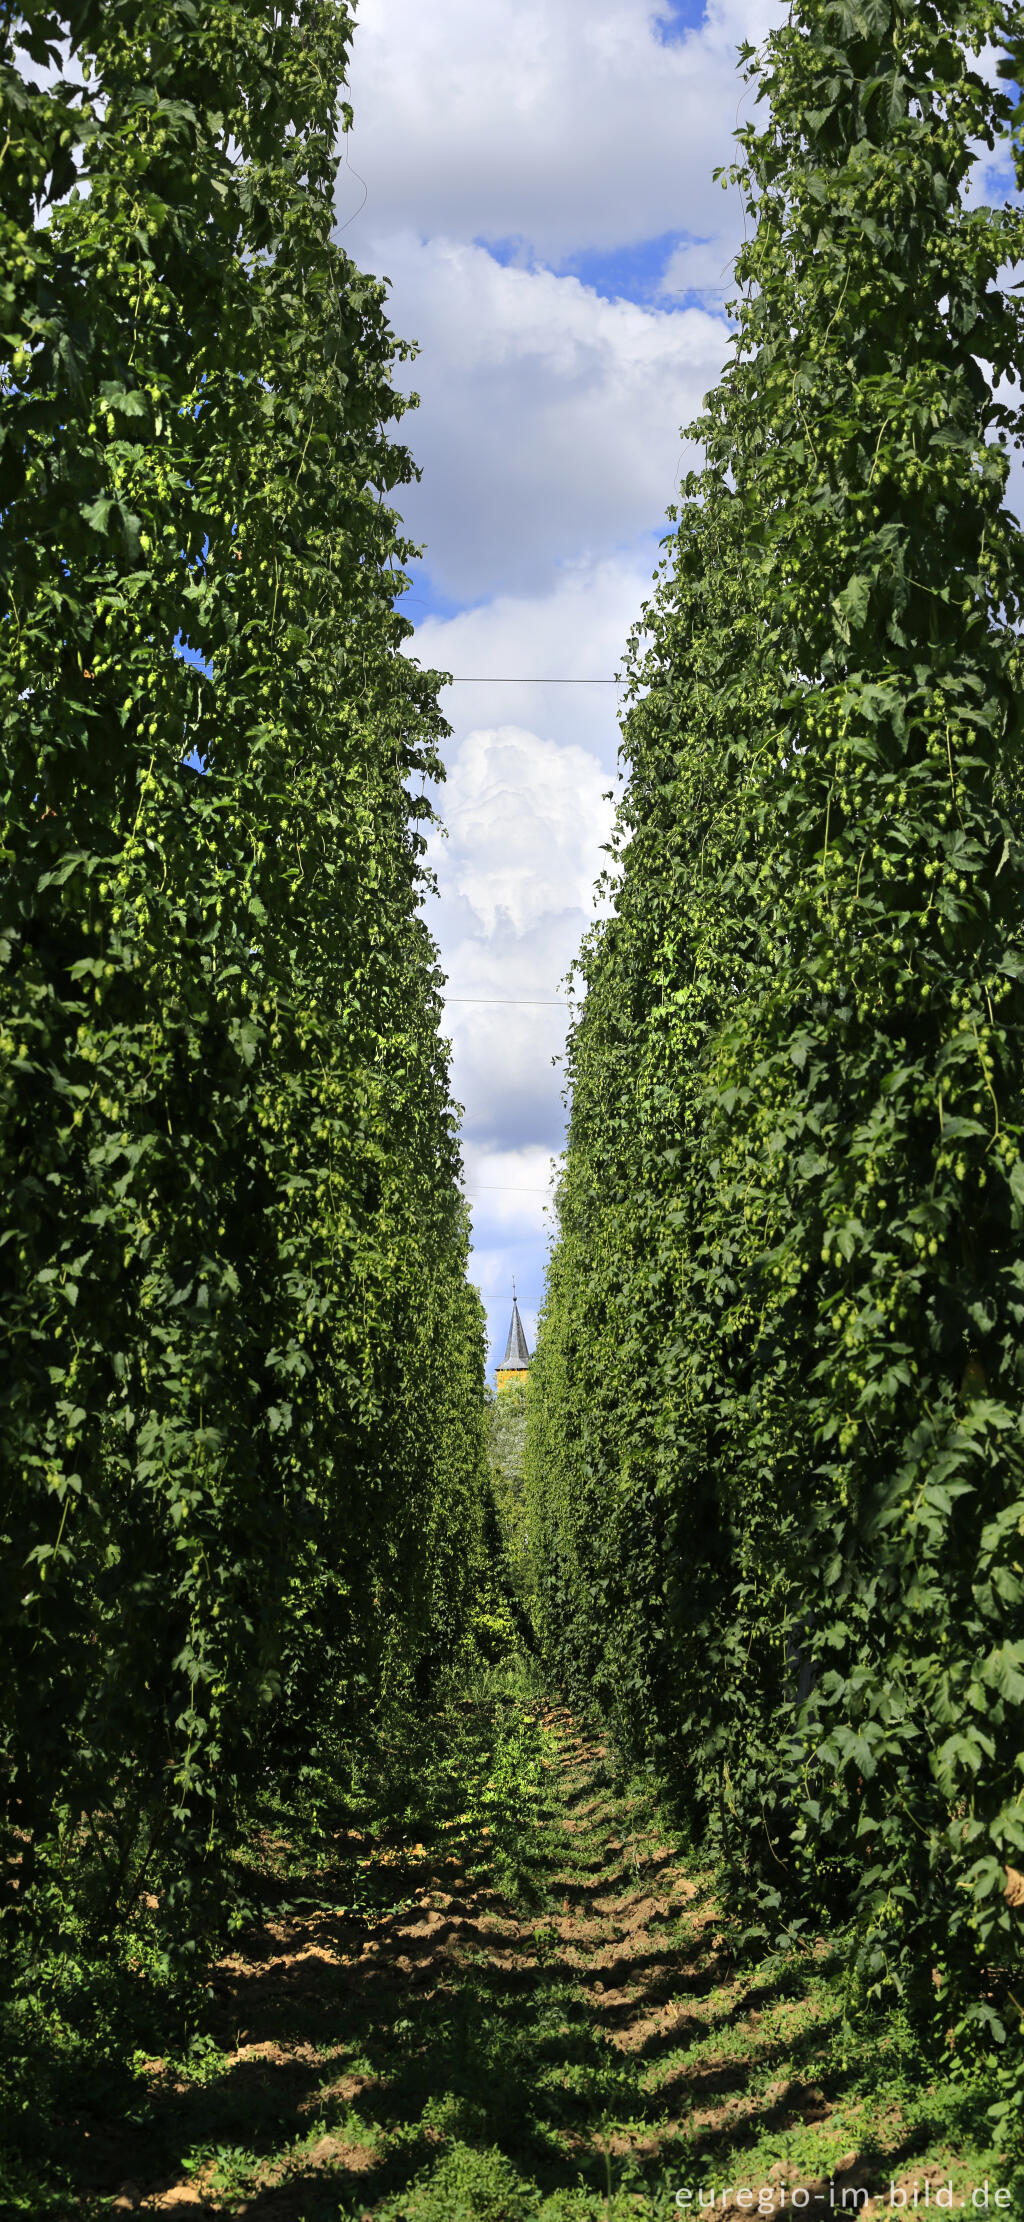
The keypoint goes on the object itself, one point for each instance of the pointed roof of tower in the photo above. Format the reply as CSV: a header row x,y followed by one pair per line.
x,y
517,1355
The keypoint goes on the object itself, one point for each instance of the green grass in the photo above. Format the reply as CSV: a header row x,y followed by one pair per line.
x,y
484,1983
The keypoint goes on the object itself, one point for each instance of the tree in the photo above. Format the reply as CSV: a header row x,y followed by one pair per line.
x,y
780,1374
235,1308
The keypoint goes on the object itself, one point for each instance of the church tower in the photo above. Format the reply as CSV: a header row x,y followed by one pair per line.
x,y
515,1364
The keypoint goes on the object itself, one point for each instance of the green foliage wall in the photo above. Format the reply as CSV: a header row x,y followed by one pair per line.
x,y
506,1456
504,1619
777,1406
240,1419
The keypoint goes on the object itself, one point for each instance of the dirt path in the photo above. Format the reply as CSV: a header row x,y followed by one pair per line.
x,y
578,2047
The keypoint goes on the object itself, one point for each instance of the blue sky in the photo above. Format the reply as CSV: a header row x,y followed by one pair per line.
x,y
536,182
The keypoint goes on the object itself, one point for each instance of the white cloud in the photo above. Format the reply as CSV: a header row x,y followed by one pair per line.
x,y
550,417
569,124
523,816
699,266
527,819
506,1064
530,766
576,629
516,1183
509,1194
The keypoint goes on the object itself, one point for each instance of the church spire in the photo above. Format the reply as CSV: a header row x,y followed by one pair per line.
x,y
515,1363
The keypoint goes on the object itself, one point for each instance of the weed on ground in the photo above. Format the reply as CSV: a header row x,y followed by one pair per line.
x,y
488,1985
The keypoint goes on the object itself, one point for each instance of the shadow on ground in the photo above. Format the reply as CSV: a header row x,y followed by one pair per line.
x,y
469,2051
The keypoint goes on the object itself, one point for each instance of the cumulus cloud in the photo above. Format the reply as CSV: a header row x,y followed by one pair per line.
x,y
699,266
567,124
522,814
575,630
518,1184
530,766
527,819
506,1064
549,419
510,1199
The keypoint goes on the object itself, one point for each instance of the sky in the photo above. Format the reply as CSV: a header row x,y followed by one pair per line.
x,y
535,181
